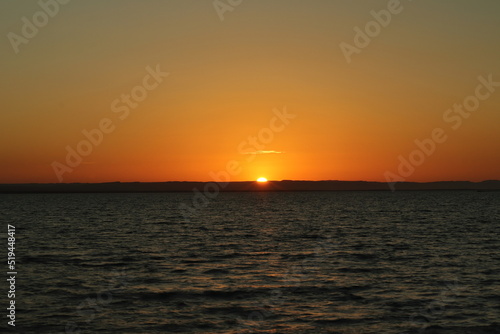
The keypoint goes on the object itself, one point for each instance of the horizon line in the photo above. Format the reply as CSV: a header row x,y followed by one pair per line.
x,y
249,181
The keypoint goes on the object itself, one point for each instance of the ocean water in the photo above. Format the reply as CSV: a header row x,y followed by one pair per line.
x,y
308,262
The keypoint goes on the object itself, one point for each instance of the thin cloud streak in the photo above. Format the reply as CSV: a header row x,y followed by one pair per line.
x,y
265,152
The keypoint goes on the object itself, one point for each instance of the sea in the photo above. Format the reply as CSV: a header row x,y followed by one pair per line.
x,y
254,262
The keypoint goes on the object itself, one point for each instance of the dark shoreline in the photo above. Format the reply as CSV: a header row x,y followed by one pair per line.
x,y
246,186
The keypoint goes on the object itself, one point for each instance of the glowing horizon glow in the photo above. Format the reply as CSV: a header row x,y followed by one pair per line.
x,y
354,121
262,180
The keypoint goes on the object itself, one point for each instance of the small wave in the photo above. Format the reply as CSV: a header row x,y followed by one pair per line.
x,y
216,271
490,329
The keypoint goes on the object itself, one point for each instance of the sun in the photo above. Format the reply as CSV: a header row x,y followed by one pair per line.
x,y
261,179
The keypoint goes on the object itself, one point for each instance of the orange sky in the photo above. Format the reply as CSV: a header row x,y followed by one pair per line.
x,y
228,78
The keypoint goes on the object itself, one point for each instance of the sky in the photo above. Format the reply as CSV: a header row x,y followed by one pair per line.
x,y
192,90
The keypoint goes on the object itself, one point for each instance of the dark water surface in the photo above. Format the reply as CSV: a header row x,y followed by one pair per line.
x,y
311,262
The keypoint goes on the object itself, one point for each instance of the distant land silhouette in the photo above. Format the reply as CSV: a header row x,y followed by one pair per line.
x,y
285,185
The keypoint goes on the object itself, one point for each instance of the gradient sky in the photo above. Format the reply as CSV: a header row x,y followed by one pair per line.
x,y
225,78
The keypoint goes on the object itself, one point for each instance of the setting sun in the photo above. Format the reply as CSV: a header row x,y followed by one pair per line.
x,y
261,179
